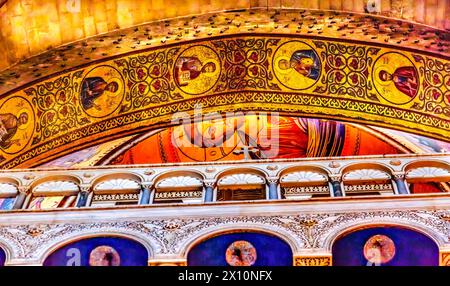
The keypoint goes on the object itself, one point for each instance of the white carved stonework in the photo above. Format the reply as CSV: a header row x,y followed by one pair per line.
x,y
56,186
116,197
303,176
368,188
117,184
178,194
241,179
8,189
366,174
179,181
175,235
427,172
306,189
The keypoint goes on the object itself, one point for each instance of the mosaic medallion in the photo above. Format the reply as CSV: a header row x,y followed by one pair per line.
x,y
241,253
395,78
102,91
379,249
296,65
16,124
197,70
104,256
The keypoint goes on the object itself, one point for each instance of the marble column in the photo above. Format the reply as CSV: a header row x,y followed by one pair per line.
x,y
400,183
209,191
273,188
146,194
83,196
336,185
21,196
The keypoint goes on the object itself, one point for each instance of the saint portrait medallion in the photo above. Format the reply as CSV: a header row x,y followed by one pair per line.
x,y
102,91
395,78
104,256
296,65
16,124
379,249
241,253
197,70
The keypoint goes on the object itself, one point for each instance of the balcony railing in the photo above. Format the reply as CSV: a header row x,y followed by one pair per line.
x,y
287,179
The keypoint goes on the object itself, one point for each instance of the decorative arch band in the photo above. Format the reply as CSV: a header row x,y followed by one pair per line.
x,y
326,78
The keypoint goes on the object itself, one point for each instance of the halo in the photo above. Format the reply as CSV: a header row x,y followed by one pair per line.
x,y
216,71
377,75
28,113
119,83
277,68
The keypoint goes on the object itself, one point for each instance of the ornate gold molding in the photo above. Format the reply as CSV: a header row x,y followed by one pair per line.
x,y
168,262
344,81
444,258
313,260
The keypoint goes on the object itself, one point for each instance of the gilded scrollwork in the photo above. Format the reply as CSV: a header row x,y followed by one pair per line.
x,y
327,78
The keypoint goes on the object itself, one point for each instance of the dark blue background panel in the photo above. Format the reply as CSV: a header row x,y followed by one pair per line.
x,y
411,248
131,253
2,257
271,250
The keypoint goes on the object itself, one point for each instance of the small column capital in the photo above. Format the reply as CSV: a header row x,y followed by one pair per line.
x,y
313,259
85,188
24,189
335,178
273,180
398,175
209,183
147,185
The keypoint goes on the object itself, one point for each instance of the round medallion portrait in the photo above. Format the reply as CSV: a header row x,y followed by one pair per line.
x,y
197,69
395,78
102,91
379,249
241,253
296,65
104,256
16,124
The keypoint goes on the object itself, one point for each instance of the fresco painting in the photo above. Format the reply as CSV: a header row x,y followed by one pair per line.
x,y
241,249
102,91
197,69
395,78
16,124
100,251
223,139
297,65
385,246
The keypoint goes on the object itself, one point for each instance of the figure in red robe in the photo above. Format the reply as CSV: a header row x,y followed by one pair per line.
x,y
404,78
189,68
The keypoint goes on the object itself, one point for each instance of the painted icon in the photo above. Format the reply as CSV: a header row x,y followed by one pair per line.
x,y
379,249
241,253
297,65
396,79
16,124
102,91
197,70
104,256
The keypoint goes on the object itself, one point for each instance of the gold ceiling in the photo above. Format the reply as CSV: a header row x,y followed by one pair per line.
x,y
29,27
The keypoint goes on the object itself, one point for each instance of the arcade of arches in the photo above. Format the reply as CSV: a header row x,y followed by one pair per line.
x,y
286,132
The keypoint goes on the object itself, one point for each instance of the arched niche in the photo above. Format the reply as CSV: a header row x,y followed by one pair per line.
x,y
99,251
2,257
241,248
385,246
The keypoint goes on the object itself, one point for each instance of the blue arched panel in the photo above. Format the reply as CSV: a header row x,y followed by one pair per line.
x,y
127,252
411,248
271,250
2,257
